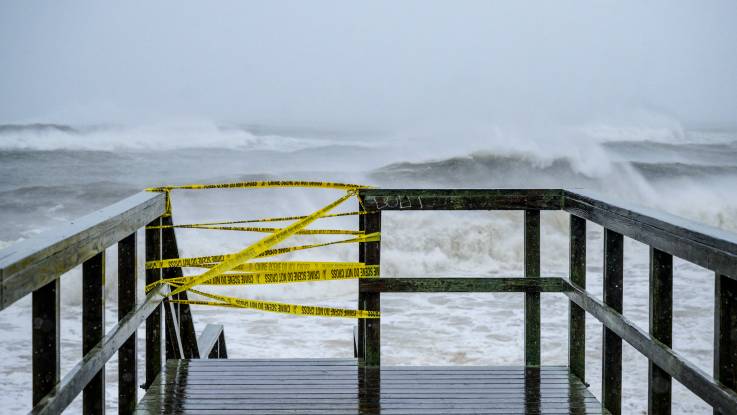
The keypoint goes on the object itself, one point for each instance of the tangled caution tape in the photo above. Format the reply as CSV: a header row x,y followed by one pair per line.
x,y
234,269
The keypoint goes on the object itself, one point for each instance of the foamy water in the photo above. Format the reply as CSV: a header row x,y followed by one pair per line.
x,y
40,190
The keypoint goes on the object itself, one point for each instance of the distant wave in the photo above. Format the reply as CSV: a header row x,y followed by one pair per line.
x,y
524,171
163,136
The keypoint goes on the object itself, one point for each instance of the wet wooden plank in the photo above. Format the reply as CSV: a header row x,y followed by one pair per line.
x,y
342,386
461,199
31,264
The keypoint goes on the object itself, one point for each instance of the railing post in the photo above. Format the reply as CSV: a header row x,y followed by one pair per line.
x,y
93,328
372,301
127,357
45,339
153,322
725,332
576,314
170,249
361,329
661,324
532,300
612,344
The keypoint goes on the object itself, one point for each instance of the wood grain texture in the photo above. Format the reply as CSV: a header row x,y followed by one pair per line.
x,y
127,356
661,328
341,386
532,299
463,285
93,329
679,368
710,247
576,314
31,264
461,199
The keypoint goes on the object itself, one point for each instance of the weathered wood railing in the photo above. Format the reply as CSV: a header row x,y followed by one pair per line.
x,y
35,267
666,235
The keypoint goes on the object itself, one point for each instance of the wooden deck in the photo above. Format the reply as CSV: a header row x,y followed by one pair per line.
x,y
339,386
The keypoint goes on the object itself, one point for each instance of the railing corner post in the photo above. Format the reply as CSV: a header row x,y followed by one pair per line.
x,y
371,346
576,314
532,299
153,322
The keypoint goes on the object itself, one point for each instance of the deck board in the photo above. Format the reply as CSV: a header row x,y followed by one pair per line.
x,y
340,387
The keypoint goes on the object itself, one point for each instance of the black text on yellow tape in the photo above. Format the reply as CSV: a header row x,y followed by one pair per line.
x,y
259,247
261,184
284,308
209,261
330,273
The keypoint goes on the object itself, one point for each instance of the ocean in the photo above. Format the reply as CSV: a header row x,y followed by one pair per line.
x,y
52,173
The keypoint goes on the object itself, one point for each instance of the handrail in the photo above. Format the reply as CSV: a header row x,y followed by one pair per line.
x,y
80,375
703,385
461,199
33,263
211,343
464,285
666,235
709,247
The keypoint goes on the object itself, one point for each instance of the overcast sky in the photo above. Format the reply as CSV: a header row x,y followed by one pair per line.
x,y
367,64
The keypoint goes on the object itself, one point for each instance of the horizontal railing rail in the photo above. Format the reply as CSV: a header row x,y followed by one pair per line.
x,y
33,263
703,245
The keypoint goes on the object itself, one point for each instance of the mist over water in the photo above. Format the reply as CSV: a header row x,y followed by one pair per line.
x,y
54,173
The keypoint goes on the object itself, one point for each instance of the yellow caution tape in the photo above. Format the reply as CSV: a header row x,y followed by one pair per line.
x,y
279,219
275,307
372,237
207,261
261,229
260,184
260,246
220,267
328,273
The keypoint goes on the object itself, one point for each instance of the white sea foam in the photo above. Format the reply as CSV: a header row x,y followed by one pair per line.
x,y
416,328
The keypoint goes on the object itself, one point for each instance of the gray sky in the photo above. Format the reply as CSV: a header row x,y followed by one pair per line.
x,y
369,64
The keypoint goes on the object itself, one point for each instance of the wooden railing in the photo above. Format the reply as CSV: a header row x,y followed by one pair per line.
x,y
35,267
666,235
